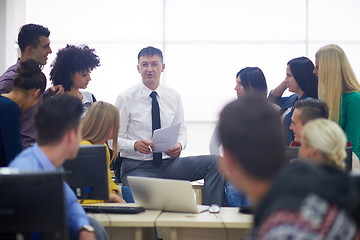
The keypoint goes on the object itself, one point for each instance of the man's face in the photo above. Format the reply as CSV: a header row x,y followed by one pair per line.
x,y
296,125
150,69
41,52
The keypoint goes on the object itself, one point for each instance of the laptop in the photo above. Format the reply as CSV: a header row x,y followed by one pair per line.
x,y
164,194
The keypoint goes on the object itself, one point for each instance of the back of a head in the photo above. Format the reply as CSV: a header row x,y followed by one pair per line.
x,y
29,35
72,59
150,51
302,69
311,109
327,137
55,116
251,130
253,80
101,121
30,76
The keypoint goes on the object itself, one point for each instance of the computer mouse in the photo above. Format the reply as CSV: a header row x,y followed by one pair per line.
x,y
214,208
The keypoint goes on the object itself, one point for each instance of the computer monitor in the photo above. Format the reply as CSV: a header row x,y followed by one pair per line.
x,y
32,206
87,173
293,153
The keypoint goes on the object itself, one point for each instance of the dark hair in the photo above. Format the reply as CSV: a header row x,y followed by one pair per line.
x,y
251,130
29,35
150,51
302,69
69,60
30,76
311,109
253,80
55,116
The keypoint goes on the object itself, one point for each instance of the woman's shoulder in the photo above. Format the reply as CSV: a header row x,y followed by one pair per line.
x,y
8,105
85,142
351,97
87,96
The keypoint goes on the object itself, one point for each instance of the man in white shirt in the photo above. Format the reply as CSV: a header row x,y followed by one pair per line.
x,y
136,128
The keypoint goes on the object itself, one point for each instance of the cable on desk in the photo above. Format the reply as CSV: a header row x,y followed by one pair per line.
x,y
223,223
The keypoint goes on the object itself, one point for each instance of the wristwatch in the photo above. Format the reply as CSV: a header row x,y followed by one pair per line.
x,y
87,228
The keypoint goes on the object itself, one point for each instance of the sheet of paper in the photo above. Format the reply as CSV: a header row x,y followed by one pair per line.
x,y
165,138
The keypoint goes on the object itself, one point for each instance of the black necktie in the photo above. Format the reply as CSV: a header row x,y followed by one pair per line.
x,y
155,115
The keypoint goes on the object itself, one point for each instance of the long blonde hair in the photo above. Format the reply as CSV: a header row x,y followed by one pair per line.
x,y
100,121
328,138
335,77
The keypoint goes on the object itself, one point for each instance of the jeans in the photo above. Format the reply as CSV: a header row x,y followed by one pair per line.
x,y
235,198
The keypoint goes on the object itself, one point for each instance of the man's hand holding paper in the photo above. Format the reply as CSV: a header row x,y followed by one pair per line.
x,y
165,140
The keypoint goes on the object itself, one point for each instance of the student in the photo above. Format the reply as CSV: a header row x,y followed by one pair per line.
x,y
340,89
29,84
249,81
305,111
71,68
323,141
34,43
58,128
300,80
101,124
301,200
142,109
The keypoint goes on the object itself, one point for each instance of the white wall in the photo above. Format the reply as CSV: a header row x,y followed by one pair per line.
x,y
205,42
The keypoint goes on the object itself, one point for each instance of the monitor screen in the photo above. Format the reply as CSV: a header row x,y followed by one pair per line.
x,y
32,206
87,173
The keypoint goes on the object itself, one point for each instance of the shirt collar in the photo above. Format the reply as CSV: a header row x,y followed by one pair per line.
x,y
145,91
43,159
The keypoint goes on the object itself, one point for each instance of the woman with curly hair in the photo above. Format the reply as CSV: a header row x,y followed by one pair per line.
x,y
29,85
71,68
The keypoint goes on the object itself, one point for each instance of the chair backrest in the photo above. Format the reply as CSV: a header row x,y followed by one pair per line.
x,y
293,153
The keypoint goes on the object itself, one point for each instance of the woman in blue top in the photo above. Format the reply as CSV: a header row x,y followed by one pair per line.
x,y
300,80
28,87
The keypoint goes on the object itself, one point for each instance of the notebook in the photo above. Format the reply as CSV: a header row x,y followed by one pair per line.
x,y
164,194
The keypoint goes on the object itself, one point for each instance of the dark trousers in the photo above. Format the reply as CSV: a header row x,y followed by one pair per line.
x,y
187,168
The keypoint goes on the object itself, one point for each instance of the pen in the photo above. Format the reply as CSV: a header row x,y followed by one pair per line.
x,y
150,148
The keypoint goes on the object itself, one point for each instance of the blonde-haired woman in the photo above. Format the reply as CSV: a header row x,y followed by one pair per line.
x,y
324,142
340,89
100,124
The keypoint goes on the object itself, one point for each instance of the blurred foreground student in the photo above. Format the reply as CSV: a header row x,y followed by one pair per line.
x,y
58,126
302,200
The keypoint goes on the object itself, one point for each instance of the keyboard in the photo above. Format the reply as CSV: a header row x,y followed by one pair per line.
x,y
113,209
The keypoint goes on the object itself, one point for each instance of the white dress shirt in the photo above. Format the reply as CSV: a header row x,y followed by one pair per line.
x,y
134,105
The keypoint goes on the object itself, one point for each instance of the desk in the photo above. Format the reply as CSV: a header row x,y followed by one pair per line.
x,y
128,226
228,224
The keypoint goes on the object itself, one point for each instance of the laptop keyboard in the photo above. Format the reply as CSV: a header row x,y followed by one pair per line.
x,y
113,209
